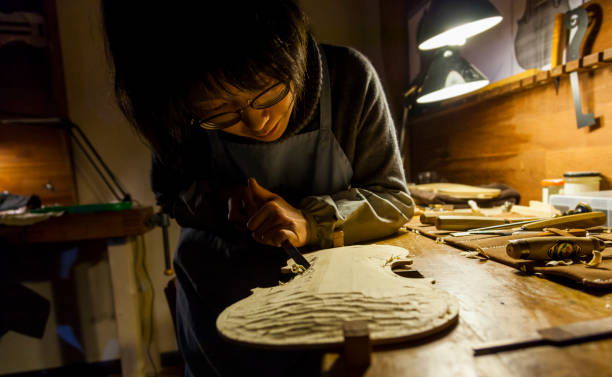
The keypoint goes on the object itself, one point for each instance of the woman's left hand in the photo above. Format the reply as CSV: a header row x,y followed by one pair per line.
x,y
274,220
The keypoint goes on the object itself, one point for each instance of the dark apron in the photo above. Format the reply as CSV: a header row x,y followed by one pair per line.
x,y
215,271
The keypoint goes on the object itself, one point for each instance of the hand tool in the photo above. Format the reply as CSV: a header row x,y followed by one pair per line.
x,y
492,232
580,220
295,254
470,222
503,226
510,232
576,22
556,248
430,217
558,335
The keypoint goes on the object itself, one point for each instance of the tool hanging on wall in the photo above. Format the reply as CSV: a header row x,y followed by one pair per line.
x,y
576,22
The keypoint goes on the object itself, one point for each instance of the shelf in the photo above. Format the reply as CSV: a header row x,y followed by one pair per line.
x,y
81,226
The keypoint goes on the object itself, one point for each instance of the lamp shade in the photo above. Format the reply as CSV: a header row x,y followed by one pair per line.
x,y
449,75
451,22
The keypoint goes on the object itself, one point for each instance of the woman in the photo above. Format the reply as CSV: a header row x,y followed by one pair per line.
x,y
259,135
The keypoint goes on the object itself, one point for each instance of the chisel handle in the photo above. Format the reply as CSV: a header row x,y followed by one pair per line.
x,y
430,217
555,248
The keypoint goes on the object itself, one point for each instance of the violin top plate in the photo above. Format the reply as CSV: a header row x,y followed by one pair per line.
x,y
343,284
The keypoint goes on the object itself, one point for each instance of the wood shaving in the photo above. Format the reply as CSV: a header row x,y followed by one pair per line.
x,y
397,261
297,269
471,254
595,261
390,260
564,262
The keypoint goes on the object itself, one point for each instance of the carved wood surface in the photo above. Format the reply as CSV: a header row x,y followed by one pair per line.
x,y
343,284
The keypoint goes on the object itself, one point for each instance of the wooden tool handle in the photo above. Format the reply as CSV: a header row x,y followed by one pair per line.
x,y
430,217
580,220
555,248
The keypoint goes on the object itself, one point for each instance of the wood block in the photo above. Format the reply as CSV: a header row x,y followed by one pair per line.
x,y
592,60
572,66
607,55
528,81
357,346
515,86
542,77
556,71
338,240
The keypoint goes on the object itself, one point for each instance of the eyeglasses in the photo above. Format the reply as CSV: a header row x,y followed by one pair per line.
x,y
265,99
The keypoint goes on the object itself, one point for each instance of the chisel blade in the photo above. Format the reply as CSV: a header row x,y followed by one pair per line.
x,y
295,254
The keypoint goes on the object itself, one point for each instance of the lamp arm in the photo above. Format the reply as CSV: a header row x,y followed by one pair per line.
x,y
74,127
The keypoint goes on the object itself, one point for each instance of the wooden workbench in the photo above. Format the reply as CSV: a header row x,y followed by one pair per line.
x,y
496,302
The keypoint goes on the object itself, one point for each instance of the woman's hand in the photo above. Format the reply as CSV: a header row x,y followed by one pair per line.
x,y
272,220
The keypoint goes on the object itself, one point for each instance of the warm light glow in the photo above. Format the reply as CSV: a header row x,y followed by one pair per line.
x,y
452,91
457,35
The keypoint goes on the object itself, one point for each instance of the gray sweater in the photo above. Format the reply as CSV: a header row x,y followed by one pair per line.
x,y
377,202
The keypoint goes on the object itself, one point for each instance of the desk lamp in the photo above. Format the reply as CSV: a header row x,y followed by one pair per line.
x,y
451,22
449,75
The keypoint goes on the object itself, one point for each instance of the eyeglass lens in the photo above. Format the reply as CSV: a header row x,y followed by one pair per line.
x,y
268,98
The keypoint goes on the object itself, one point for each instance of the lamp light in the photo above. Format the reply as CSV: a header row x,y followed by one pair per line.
x,y
449,75
451,22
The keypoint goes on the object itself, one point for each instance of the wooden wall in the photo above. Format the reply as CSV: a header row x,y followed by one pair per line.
x,y
31,157
519,138
524,131
34,159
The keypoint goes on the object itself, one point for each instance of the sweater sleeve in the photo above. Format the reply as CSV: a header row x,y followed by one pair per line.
x,y
377,203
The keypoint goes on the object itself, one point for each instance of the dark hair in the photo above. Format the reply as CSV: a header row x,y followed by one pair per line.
x,y
161,50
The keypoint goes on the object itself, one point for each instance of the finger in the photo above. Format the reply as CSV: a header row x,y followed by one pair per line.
x,y
275,236
268,213
270,226
260,194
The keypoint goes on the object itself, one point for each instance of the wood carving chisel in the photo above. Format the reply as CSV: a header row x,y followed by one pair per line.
x,y
580,220
470,222
558,335
295,254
